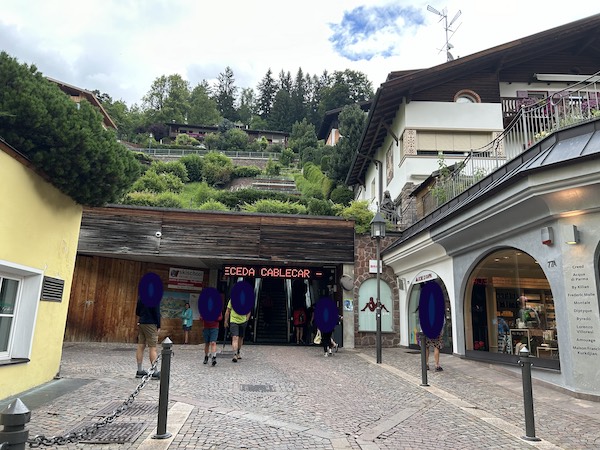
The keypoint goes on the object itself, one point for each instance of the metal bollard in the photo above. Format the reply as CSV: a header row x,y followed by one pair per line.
x,y
525,363
423,341
163,397
14,418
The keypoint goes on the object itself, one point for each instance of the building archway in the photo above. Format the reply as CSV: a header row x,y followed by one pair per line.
x,y
508,304
414,296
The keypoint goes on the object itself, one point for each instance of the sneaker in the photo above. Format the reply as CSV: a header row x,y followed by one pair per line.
x,y
438,369
336,347
235,358
205,359
214,360
326,354
156,375
141,374
330,354
239,356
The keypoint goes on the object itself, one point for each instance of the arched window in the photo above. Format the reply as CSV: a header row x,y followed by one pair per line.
x,y
467,96
508,305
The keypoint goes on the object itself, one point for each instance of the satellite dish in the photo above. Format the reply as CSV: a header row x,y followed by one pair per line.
x,y
347,282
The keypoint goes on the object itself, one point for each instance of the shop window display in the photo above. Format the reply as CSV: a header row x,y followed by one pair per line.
x,y
511,306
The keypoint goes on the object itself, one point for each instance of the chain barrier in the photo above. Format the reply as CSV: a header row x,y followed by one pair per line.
x,y
87,432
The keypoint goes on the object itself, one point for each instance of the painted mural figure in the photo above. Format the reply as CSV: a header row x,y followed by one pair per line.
x,y
373,306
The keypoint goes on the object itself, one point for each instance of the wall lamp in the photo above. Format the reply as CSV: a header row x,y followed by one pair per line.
x,y
571,235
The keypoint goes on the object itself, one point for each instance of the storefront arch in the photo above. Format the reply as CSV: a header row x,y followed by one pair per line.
x,y
508,304
414,297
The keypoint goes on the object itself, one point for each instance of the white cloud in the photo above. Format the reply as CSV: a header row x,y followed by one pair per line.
x,y
121,46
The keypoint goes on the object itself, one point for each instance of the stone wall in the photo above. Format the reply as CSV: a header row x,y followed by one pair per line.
x,y
365,250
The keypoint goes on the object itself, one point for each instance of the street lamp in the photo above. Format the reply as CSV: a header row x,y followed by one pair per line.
x,y
377,232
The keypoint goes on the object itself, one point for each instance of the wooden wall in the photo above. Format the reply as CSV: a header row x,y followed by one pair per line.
x,y
103,299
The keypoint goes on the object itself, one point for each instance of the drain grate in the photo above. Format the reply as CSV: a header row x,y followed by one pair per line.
x,y
258,388
114,433
135,409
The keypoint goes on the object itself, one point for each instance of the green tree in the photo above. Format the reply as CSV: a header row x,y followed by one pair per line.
x,y
64,139
302,137
234,139
168,100
203,108
266,96
299,96
246,108
282,115
352,121
346,88
225,94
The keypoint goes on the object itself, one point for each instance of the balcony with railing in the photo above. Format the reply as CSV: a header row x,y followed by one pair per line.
x,y
531,121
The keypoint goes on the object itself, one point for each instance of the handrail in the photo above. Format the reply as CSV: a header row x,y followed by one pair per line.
x,y
178,152
535,120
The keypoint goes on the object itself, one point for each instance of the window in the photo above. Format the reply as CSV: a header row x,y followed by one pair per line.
x,y
511,304
20,289
9,288
467,96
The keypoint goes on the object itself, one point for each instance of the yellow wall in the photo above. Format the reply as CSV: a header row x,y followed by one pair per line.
x,y
39,228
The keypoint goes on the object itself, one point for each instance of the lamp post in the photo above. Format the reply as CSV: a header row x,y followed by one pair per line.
x,y
378,232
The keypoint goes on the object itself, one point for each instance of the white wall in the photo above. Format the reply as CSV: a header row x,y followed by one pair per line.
x,y
454,116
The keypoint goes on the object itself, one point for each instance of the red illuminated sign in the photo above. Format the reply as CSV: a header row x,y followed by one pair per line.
x,y
270,272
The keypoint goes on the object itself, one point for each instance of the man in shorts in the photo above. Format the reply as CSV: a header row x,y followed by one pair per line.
x,y
210,332
238,326
148,328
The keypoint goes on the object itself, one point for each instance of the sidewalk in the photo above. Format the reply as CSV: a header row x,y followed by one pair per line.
x,y
292,397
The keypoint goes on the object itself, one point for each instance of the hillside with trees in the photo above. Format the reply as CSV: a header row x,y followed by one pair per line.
x,y
66,140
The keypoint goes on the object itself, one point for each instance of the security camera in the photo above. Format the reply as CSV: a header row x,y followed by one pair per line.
x,y
158,234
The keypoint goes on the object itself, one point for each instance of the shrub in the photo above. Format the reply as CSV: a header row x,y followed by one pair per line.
x,y
150,182
360,213
173,183
213,205
318,207
235,199
205,193
275,207
162,200
286,158
177,168
342,195
273,168
168,200
193,164
246,171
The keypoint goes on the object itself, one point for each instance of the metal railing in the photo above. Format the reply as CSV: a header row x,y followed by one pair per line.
x,y
535,120
178,152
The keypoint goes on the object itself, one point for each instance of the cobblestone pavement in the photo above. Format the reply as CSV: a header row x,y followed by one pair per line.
x,y
291,397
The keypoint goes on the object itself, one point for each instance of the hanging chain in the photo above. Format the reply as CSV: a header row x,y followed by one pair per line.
x,y
87,432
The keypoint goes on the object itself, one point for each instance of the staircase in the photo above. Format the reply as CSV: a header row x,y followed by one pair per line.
x,y
276,331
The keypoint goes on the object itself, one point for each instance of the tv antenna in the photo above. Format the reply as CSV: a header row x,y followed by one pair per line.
x,y
447,27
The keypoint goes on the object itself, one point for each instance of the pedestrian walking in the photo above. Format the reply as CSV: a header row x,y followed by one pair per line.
x,y
148,323
299,309
210,332
237,324
187,321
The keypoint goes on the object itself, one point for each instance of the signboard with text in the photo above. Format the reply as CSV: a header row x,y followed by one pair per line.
x,y
235,270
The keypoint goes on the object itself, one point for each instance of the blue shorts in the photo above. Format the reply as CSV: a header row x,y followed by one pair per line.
x,y
210,334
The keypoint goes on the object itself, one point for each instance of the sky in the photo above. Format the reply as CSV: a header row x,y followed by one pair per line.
x,y
120,47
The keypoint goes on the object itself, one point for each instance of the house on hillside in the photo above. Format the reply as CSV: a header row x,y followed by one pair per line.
x,y
78,94
329,131
39,231
200,131
505,229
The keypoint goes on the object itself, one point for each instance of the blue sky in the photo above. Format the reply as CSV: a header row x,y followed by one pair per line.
x,y
121,46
